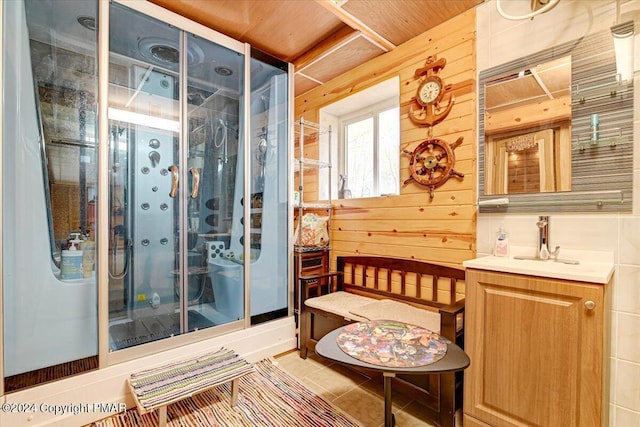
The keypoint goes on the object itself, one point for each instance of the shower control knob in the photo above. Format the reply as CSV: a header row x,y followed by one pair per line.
x,y
154,143
154,156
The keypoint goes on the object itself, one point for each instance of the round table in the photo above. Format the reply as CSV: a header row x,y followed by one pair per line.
x,y
454,360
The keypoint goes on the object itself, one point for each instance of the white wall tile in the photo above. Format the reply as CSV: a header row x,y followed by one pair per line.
x,y
613,376
628,337
614,332
629,239
509,40
626,418
612,414
628,391
626,296
484,236
636,188
588,232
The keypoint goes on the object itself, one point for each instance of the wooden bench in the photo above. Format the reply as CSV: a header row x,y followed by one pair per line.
x,y
158,387
417,292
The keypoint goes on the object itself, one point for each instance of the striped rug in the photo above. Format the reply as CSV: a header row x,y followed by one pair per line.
x,y
267,397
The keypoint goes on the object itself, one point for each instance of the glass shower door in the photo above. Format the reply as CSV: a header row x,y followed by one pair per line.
x,y
174,117
215,273
144,121
268,210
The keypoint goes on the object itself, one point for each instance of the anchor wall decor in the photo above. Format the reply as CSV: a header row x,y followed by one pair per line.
x,y
430,95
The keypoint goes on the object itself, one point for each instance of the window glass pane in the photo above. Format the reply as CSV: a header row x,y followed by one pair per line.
x,y
388,151
359,142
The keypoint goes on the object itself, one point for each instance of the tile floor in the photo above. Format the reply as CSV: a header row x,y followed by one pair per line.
x,y
355,394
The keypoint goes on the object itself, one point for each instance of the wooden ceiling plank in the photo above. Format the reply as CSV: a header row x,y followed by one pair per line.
x,y
351,55
326,47
358,25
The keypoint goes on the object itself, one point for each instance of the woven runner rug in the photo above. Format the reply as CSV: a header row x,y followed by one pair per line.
x,y
268,397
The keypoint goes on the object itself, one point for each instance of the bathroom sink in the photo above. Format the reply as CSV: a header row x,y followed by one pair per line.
x,y
560,260
583,266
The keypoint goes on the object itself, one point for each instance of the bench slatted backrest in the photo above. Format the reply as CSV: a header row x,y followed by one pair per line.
x,y
438,297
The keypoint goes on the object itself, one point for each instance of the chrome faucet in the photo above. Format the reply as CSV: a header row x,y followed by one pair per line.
x,y
543,253
543,239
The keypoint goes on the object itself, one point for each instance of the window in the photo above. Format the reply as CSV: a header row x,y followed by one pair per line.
x,y
368,148
371,152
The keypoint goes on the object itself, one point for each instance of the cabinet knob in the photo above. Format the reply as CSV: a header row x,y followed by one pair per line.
x,y
589,305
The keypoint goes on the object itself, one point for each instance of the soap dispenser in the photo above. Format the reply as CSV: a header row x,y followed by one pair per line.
x,y
501,247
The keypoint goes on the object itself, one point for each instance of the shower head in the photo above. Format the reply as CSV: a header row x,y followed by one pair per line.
x,y
166,52
88,22
223,71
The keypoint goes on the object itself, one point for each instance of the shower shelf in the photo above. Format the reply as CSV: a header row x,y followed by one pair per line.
x,y
310,164
313,206
310,137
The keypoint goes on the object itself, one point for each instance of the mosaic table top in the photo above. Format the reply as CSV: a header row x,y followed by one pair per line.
x,y
390,343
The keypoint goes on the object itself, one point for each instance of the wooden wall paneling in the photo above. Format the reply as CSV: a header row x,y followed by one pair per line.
x,y
458,197
444,227
410,225
421,238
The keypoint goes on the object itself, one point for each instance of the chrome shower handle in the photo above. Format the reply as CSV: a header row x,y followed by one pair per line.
x,y
195,183
175,172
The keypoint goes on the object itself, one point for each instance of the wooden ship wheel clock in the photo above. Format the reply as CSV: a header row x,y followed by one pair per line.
x,y
431,163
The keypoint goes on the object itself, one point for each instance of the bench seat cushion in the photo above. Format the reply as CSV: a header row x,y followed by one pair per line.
x,y
387,309
361,308
340,303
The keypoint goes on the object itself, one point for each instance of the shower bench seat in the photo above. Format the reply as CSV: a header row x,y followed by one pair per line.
x,y
381,288
156,388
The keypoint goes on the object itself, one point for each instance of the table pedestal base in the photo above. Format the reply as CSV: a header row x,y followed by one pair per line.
x,y
389,419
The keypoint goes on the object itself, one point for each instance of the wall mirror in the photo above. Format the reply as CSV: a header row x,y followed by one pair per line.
x,y
528,130
538,150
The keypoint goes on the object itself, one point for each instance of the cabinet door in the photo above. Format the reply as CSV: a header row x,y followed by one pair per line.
x,y
536,350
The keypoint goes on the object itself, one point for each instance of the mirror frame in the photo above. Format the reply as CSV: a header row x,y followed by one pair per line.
x,y
602,173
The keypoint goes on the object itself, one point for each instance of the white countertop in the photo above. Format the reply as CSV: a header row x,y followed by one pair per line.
x,y
593,267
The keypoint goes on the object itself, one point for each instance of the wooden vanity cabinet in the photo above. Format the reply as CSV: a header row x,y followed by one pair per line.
x,y
539,351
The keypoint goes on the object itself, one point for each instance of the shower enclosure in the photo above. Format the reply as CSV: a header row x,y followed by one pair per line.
x,y
196,138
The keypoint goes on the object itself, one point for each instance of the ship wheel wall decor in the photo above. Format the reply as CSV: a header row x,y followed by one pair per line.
x,y
431,163
433,98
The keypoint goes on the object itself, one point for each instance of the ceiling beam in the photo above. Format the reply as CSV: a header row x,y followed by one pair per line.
x,y
357,25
